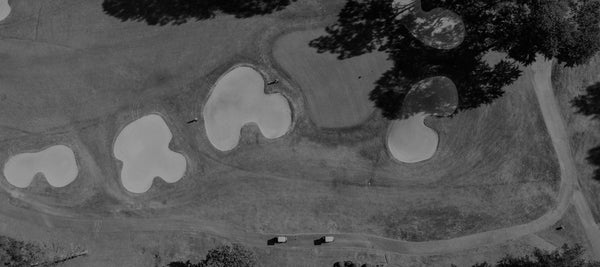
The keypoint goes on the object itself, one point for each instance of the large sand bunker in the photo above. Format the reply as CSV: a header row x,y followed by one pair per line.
x,y
56,163
237,99
409,139
143,147
4,9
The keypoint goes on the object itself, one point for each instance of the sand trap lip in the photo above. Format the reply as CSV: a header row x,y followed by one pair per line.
x,y
409,140
143,148
56,163
4,9
237,99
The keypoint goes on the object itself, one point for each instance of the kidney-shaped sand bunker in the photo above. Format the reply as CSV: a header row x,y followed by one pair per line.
x,y
239,98
56,163
143,147
409,139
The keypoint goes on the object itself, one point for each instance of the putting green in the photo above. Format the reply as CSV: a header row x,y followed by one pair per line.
x,y
337,91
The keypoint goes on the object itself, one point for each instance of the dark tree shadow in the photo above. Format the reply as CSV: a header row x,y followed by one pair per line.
x,y
507,26
163,12
352,264
373,25
589,105
181,264
594,159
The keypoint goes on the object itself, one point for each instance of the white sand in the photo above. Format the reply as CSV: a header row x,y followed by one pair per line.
x,y
143,147
56,163
238,99
4,9
410,141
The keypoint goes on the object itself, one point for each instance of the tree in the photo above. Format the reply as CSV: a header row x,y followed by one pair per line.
x,y
568,30
18,253
223,256
163,12
352,264
588,104
565,256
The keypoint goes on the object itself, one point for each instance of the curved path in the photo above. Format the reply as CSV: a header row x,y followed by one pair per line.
x,y
556,128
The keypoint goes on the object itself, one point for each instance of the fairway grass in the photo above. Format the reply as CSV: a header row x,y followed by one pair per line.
x,y
337,91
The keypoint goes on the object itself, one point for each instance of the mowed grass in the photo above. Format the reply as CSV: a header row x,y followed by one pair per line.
x,y
583,131
88,75
337,91
495,167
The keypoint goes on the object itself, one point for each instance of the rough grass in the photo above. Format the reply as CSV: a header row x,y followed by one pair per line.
x,y
337,91
495,166
583,131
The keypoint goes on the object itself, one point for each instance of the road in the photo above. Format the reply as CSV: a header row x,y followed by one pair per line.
x,y
568,194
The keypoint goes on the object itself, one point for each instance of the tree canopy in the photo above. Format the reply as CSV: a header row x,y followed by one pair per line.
x,y
566,256
163,12
568,30
588,104
223,256
19,253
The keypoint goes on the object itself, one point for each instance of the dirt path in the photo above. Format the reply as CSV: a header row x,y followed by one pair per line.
x,y
556,127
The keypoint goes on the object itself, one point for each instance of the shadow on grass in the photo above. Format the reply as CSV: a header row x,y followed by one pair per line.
x,y
410,34
588,104
175,12
374,25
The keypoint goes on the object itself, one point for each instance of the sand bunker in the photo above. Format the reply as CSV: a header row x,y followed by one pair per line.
x,y
439,28
56,163
143,147
4,9
237,99
409,139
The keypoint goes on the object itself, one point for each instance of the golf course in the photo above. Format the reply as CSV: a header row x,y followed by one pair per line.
x,y
148,141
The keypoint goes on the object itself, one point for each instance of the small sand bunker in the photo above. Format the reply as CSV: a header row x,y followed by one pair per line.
x,y
143,147
438,28
4,9
56,163
409,139
239,98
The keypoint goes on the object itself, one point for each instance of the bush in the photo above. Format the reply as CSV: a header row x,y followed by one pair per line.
x,y
223,256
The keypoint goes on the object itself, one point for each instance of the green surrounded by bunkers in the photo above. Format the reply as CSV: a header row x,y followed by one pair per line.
x,y
309,132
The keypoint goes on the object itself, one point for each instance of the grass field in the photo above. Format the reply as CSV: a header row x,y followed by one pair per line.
x,y
569,83
75,76
336,91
